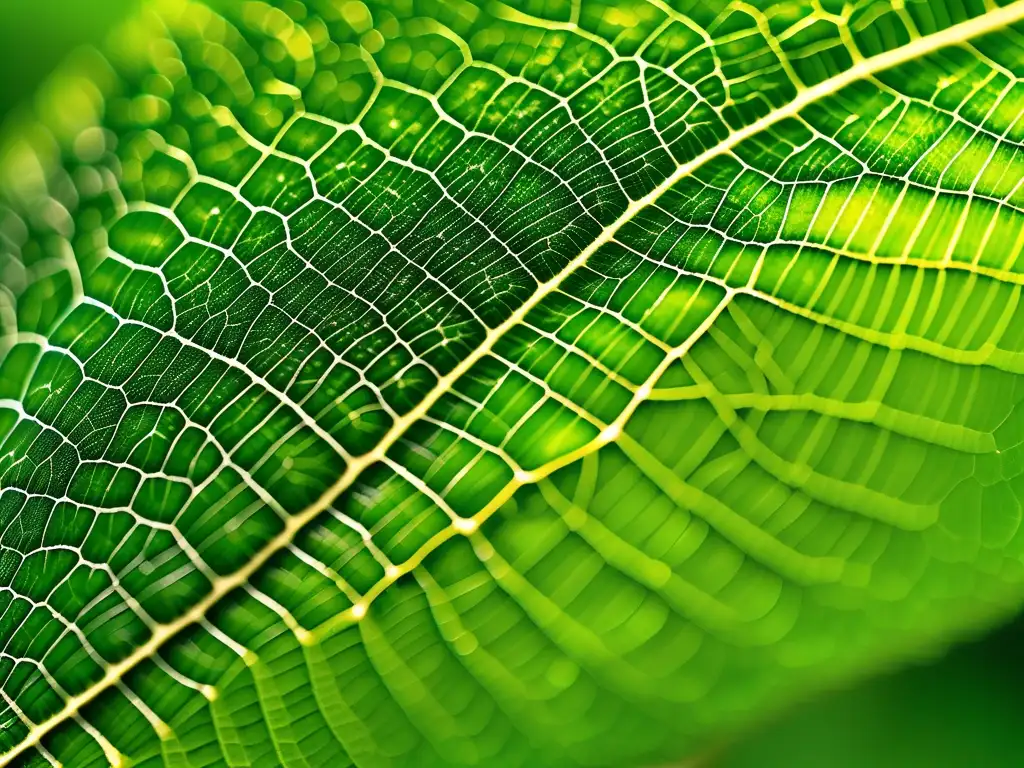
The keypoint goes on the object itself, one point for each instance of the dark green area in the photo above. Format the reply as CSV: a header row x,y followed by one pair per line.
x,y
964,711
36,34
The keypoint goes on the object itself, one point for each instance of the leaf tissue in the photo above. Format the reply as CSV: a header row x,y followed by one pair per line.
x,y
502,383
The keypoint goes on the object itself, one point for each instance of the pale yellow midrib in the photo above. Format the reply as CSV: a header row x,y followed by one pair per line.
x,y
958,33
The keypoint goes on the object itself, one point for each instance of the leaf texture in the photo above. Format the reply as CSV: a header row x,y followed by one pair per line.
x,y
535,382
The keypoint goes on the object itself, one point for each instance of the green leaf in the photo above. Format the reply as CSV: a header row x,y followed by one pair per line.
x,y
524,383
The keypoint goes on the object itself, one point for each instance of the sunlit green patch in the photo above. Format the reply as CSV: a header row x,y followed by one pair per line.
x,y
399,121
212,214
145,238
279,184
565,430
306,137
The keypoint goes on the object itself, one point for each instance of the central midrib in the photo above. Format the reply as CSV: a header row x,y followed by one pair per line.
x,y
864,68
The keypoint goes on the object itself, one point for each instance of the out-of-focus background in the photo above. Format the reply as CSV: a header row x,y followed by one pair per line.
x,y
965,710
36,34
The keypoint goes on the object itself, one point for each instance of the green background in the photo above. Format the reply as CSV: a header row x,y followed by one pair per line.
x,y
966,709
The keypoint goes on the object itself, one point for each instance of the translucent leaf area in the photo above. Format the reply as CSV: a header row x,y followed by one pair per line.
x,y
515,383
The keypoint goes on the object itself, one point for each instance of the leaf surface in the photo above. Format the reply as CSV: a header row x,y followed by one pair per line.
x,y
527,383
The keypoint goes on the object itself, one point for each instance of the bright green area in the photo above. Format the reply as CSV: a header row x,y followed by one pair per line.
x,y
297,345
